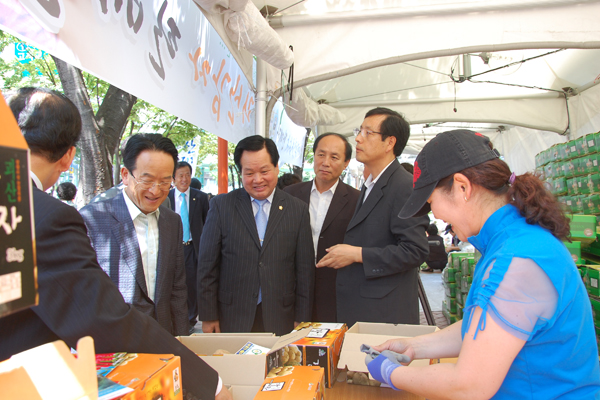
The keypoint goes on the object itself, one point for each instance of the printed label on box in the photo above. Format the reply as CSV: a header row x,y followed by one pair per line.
x,y
594,282
10,287
271,387
176,381
317,333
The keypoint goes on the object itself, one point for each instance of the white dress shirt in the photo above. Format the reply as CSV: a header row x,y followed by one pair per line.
x,y
370,182
178,200
36,180
146,229
319,205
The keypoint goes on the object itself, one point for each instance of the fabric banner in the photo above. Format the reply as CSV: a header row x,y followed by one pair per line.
x,y
288,137
163,51
190,153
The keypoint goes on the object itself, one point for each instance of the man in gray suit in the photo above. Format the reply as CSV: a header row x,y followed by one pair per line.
x,y
331,204
139,244
256,260
378,262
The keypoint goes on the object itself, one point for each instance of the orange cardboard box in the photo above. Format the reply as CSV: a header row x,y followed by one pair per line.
x,y
152,376
293,383
320,347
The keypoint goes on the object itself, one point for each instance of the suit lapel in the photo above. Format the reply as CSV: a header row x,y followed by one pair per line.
x,y
244,208
376,194
172,198
275,215
126,236
192,207
338,202
305,192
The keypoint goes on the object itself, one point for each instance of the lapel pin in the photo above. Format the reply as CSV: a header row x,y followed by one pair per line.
x,y
281,207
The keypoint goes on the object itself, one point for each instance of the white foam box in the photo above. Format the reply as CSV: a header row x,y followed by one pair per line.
x,y
372,333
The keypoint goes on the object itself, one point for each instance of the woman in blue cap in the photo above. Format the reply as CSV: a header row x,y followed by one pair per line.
x,y
527,330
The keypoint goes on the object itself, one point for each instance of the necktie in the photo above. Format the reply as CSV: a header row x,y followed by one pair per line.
x,y
185,218
261,227
361,199
261,220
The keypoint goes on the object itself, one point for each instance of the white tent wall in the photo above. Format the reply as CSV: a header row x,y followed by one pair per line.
x,y
328,43
585,112
519,146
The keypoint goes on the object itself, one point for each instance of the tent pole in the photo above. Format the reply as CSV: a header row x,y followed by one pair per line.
x,y
223,161
261,98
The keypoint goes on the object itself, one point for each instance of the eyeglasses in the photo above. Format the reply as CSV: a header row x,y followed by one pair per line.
x,y
365,133
146,185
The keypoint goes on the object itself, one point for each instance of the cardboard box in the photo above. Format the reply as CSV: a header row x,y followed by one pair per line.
x,y
451,288
595,310
242,370
321,347
465,284
241,392
373,333
592,142
152,376
449,304
299,383
583,228
575,250
461,298
449,274
591,279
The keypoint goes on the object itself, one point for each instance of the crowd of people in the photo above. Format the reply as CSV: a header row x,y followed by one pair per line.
x,y
136,269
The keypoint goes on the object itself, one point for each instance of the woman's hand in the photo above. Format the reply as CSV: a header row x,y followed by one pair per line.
x,y
400,346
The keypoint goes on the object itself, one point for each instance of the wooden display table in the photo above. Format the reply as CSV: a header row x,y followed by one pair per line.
x,y
345,391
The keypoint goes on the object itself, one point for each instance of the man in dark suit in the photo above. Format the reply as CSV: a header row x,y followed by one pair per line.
x,y
76,298
331,204
192,207
378,262
256,263
137,243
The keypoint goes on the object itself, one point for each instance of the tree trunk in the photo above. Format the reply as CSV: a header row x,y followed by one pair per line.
x,y
101,133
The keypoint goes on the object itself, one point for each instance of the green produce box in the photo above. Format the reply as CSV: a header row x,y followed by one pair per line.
x,y
591,278
450,304
594,182
562,151
458,277
590,164
467,266
465,284
451,318
578,204
563,202
549,170
581,145
448,274
579,165
583,184
572,148
575,250
461,298
595,310
570,202
568,168
567,150
572,187
586,205
558,168
472,268
553,153
456,257
450,289
459,311
583,227
560,186
592,142
594,204
538,160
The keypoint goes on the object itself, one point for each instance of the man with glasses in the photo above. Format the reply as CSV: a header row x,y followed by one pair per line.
x,y
139,244
378,262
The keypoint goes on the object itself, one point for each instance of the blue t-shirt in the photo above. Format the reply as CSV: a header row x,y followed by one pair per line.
x,y
560,356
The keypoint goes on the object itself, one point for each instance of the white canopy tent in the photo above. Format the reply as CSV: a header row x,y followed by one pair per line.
x,y
432,61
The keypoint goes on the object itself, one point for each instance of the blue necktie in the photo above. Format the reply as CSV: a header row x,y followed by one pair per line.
x,y
261,227
185,218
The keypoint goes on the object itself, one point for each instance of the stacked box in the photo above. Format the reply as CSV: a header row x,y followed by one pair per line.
x,y
448,274
591,279
572,148
560,186
581,145
568,167
578,204
595,310
594,182
592,142
549,170
562,151
583,227
575,250
451,288
465,284
572,187
459,311
594,204
461,298
450,304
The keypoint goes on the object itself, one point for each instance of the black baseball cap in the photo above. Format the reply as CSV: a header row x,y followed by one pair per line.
x,y
447,153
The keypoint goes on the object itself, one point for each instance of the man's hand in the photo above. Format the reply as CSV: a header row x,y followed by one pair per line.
x,y
340,256
211,326
224,393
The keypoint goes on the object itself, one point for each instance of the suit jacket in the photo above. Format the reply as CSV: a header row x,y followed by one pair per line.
x,y
383,288
113,236
334,227
232,265
198,202
76,299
